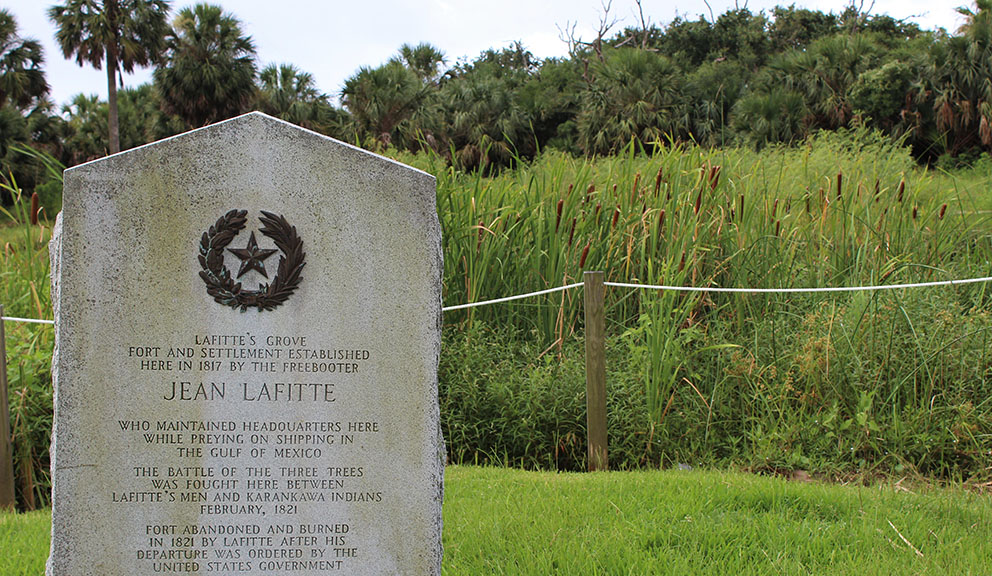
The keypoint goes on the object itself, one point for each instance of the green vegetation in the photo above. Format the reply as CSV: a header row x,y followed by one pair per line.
x,y
694,522
796,149
739,78
839,385
24,539
499,521
120,34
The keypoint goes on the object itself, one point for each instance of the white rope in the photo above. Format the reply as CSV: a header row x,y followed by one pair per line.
x,y
27,320
801,290
675,288
508,298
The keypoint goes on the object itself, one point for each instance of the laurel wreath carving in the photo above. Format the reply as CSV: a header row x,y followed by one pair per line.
x,y
224,289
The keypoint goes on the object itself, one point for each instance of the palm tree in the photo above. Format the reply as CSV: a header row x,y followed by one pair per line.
x,y
208,73
961,70
824,74
288,93
382,100
424,59
127,33
634,97
767,117
22,81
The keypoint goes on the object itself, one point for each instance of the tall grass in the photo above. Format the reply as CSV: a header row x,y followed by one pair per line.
x,y
844,209
24,292
845,383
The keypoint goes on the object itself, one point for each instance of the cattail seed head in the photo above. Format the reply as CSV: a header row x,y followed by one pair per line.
x,y
589,191
714,177
585,253
616,216
840,183
902,188
774,207
914,212
699,202
571,233
633,192
657,180
943,209
34,209
558,210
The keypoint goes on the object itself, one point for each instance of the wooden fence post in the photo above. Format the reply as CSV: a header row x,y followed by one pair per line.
x,y
595,370
6,450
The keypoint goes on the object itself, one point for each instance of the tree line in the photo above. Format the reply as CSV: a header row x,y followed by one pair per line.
x,y
737,79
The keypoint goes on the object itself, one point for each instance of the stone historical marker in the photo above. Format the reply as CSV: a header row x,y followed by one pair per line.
x,y
248,331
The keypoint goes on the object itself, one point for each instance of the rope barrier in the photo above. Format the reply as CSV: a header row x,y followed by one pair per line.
x,y
673,288
508,298
27,320
734,290
800,290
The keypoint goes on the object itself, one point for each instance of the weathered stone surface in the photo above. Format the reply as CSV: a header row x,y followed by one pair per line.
x,y
192,437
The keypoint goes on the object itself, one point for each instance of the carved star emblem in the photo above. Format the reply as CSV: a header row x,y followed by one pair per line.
x,y
252,258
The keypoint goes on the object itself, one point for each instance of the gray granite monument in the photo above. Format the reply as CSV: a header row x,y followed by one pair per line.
x,y
247,339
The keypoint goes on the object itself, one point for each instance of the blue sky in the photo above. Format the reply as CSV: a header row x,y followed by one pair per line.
x,y
332,39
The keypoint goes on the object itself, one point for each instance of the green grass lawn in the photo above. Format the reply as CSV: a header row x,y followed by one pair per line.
x,y
24,543
499,521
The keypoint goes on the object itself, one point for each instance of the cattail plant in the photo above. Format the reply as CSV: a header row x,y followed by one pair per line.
x,y
714,177
34,209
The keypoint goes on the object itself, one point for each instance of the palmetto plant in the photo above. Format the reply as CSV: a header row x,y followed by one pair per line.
x,y
288,93
824,73
961,70
424,59
776,115
634,97
22,80
383,99
209,69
